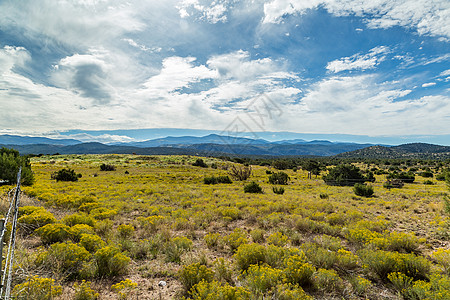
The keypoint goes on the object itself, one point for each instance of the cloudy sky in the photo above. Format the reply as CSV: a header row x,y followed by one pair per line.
x,y
378,67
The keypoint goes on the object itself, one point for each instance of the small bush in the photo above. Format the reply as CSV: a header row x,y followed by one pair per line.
x,y
53,233
279,178
212,240
125,231
240,172
323,196
77,230
253,187
200,163
111,262
37,288
37,218
257,235
328,280
298,271
393,183
363,190
215,291
78,218
91,242
65,174
262,279
216,180
278,239
278,190
236,239
428,182
193,274
406,177
124,289
249,254
64,259
83,291
107,167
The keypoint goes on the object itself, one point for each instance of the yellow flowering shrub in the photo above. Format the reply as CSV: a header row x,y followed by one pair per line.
x,y
37,288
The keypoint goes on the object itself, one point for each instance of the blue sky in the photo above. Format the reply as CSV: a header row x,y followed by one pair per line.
x,y
377,68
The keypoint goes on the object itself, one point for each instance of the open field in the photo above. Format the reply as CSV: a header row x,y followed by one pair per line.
x,y
160,222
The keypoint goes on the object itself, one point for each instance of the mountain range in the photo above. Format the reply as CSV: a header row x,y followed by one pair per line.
x,y
216,145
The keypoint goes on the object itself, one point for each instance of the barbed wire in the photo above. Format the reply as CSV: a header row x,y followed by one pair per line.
x,y
7,270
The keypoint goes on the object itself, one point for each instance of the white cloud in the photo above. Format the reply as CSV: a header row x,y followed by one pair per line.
x,y
73,23
11,56
212,12
176,72
427,17
428,84
358,105
84,137
359,61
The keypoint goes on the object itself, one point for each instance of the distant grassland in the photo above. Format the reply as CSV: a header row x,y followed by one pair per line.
x,y
314,240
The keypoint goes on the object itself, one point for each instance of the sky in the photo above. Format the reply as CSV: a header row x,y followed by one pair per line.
x,y
378,68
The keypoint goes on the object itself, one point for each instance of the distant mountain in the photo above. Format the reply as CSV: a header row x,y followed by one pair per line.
x,y
192,140
7,139
194,149
413,150
276,149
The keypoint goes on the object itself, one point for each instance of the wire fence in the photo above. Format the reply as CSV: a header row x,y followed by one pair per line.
x,y
10,218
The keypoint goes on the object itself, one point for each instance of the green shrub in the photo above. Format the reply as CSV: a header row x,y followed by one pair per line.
x,y
236,239
193,274
182,242
298,271
124,289
363,190
279,178
37,218
262,279
257,235
10,162
426,174
110,262
393,183
77,230
83,291
102,213
53,233
428,182
278,190
200,163
288,291
345,175
212,240
406,177
328,281
253,187
107,167
278,239
64,259
37,288
360,285
125,231
216,180
91,242
249,254
65,174
384,262
78,218
324,196
213,290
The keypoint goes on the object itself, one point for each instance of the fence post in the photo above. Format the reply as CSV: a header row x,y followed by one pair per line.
x,y
2,225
